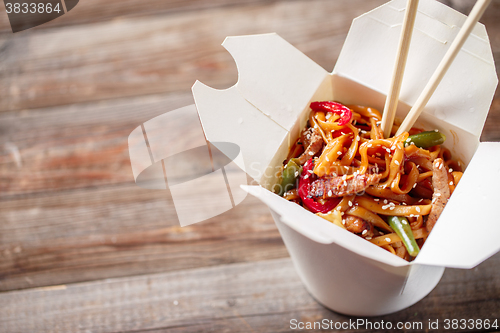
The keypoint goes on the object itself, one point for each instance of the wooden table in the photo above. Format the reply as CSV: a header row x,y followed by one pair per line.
x,y
82,248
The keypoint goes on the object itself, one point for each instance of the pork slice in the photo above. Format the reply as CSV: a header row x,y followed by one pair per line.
x,y
359,226
313,143
441,192
339,186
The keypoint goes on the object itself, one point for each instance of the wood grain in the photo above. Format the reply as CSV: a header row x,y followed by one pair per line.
x,y
91,11
122,230
74,147
72,90
139,56
249,297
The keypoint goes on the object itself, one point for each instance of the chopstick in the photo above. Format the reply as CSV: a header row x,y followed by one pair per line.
x,y
474,16
391,102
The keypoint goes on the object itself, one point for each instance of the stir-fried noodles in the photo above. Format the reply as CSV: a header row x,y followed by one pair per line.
x,y
390,191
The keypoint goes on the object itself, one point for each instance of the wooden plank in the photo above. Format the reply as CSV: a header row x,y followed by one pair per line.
x,y
78,146
159,54
89,11
58,147
122,230
248,297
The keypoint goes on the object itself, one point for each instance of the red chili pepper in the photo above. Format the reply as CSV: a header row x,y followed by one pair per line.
x,y
343,111
304,182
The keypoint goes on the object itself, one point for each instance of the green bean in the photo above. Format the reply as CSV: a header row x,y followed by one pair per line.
x,y
426,139
289,177
402,228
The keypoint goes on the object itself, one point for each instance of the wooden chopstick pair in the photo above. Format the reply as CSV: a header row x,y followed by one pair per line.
x,y
397,75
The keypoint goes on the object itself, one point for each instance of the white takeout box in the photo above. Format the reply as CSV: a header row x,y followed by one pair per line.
x,y
264,112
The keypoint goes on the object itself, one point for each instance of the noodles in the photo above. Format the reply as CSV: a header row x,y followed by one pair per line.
x,y
368,184
330,154
386,193
333,216
369,216
390,208
393,238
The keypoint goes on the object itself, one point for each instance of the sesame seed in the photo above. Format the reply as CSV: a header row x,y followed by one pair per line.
x,y
369,145
306,176
358,138
450,170
350,203
339,153
420,200
414,185
364,232
437,194
392,208
376,199
396,162
387,239
436,130
311,153
330,194
451,183
327,159
296,173
368,238
385,201
385,207
404,222
343,221
418,209
408,140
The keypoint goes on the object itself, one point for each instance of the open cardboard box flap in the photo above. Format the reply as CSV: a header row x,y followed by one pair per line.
x,y
266,109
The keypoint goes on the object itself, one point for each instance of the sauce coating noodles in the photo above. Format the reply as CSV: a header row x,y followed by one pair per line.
x,y
390,191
